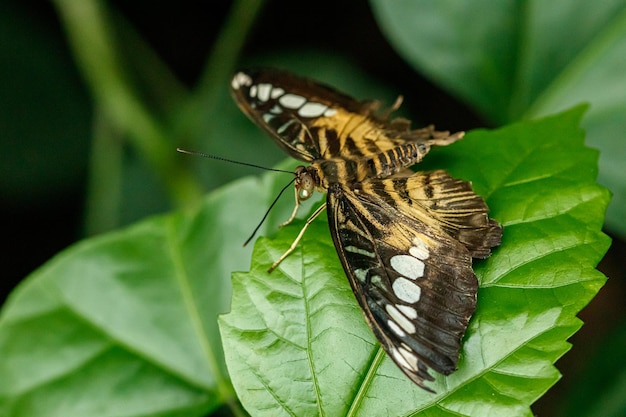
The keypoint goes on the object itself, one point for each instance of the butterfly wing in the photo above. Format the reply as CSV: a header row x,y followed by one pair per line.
x,y
448,205
311,121
414,282
287,107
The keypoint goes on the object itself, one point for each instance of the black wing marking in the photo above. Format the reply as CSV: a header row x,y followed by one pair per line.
x,y
414,282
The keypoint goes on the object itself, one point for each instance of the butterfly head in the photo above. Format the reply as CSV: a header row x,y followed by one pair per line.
x,y
307,180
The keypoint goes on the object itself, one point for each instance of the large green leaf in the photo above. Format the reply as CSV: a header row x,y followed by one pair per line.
x,y
118,321
520,59
127,321
296,342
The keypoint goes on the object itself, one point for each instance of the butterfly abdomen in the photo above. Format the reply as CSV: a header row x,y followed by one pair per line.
x,y
347,171
387,163
380,165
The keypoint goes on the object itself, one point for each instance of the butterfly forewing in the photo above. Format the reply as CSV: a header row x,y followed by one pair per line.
x,y
312,121
287,106
415,286
405,240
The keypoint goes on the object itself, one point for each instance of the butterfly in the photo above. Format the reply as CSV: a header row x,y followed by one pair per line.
x,y
406,240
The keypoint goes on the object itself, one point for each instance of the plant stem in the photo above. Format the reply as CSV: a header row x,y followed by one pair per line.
x,y
88,33
218,69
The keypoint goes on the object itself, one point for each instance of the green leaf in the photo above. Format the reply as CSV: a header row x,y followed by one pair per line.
x,y
114,321
523,59
296,342
128,320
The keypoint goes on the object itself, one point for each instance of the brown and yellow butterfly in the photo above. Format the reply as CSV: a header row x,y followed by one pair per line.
x,y
406,240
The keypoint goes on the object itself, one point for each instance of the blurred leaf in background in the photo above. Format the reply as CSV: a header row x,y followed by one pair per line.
x,y
128,319
513,60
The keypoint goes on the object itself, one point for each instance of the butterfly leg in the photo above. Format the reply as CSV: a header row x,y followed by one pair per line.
x,y
297,239
295,211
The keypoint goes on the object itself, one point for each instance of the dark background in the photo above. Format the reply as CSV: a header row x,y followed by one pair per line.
x,y
39,221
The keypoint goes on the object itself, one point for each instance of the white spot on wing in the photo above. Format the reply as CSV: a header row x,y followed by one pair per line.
x,y
377,281
240,79
361,274
408,266
312,110
396,329
354,249
410,357
420,250
330,112
400,319
252,91
399,358
419,253
406,290
408,311
284,126
277,92
292,101
264,91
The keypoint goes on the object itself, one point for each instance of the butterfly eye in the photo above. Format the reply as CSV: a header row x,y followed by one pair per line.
x,y
305,187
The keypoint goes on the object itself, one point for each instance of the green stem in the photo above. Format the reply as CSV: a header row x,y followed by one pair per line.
x,y
105,167
221,63
166,92
218,69
87,29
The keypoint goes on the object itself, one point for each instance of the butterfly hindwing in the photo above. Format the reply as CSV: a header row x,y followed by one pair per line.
x,y
449,205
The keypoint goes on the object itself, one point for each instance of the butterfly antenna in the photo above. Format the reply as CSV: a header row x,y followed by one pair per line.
x,y
219,158
268,210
